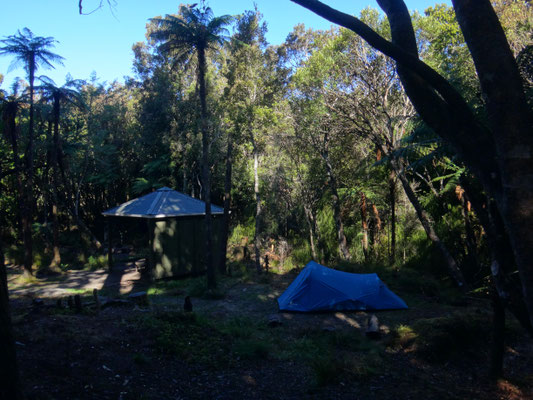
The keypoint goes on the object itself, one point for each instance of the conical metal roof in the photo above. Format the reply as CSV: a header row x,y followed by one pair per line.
x,y
162,203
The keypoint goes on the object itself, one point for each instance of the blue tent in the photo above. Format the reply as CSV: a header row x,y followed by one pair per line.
x,y
318,288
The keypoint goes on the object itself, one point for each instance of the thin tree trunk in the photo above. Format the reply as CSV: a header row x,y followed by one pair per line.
x,y
343,246
27,217
392,199
227,204
424,219
258,212
56,261
470,241
9,377
364,225
206,178
311,225
376,231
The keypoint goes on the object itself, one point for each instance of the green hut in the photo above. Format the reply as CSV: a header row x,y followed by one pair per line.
x,y
175,231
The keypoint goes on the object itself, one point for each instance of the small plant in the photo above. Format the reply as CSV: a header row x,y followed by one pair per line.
x,y
401,337
98,262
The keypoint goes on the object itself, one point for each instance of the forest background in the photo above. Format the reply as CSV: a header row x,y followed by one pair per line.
x,y
314,141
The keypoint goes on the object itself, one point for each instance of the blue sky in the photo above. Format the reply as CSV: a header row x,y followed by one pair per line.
x,y
102,41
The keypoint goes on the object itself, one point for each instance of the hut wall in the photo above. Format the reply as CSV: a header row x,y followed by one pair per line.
x,y
178,246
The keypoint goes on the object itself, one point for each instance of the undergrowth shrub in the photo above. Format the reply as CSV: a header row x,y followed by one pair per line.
x,y
96,262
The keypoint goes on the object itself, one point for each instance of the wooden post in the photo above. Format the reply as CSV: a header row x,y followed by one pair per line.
x,y
109,245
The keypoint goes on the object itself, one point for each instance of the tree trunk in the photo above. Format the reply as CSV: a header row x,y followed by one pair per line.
x,y
258,212
206,176
311,225
392,199
511,121
364,225
343,246
9,377
471,246
27,216
56,261
503,262
424,219
376,230
227,204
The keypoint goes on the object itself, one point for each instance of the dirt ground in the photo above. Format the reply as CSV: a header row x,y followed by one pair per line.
x,y
154,351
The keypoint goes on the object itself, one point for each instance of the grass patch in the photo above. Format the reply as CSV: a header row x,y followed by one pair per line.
x,y
187,336
328,370
239,327
401,337
81,292
194,287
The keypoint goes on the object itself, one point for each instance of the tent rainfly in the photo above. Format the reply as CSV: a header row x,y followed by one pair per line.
x,y
175,228
318,288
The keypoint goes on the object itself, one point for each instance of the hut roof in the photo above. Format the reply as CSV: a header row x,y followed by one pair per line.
x,y
162,203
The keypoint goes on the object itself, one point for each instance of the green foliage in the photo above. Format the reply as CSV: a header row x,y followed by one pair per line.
x,y
96,262
301,253
245,230
14,254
